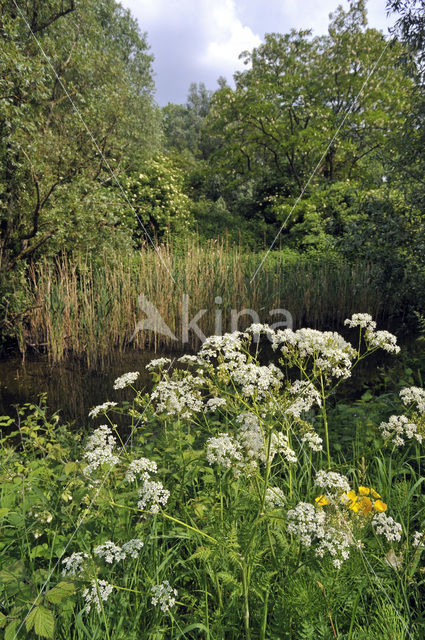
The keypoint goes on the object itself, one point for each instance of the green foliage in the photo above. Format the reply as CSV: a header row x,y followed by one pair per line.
x,y
216,539
95,85
158,197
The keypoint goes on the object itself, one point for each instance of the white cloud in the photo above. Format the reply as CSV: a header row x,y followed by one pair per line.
x,y
226,36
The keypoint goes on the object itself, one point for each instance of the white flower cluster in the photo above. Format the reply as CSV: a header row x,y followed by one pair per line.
x,y
256,329
374,339
306,522
110,552
306,397
387,526
398,429
163,595
337,543
362,320
142,467
280,444
419,539
274,498
257,380
313,440
159,363
333,482
224,450
414,395
214,403
100,449
248,448
101,408
74,564
152,495
100,590
189,359
178,397
327,350
227,349
132,547
382,340
311,524
126,379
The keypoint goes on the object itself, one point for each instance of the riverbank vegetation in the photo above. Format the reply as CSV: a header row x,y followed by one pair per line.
x,y
318,147
235,504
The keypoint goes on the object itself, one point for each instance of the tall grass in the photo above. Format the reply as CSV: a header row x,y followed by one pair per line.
x,y
90,309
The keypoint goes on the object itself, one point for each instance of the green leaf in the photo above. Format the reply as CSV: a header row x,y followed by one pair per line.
x,y
3,620
29,622
44,622
60,591
10,631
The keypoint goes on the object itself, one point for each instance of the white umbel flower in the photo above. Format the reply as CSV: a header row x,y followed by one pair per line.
x,y
142,467
387,526
99,591
333,482
152,496
414,395
163,595
110,552
101,408
74,564
100,449
126,379
398,429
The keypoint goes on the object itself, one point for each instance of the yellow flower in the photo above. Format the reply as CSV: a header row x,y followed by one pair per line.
x,y
364,505
322,500
349,499
379,506
364,491
374,493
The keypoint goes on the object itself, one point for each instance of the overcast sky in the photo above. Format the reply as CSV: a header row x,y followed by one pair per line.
x,y
200,40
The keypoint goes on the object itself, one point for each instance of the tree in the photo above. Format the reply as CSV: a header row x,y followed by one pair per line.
x,y
309,106
56,186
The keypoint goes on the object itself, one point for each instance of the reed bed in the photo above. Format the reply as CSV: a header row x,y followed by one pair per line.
x,y
89,309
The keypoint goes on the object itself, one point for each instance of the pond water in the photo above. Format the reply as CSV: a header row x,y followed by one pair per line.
x,y
71,388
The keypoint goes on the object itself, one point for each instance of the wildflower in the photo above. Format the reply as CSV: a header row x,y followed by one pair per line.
x,y
142,466
334,482
257,380
306,522
280,444
100,590
398,429
414,395
307,396
100,449
224,450
418,539
381,340
362,320
110,552
213,403
152,495
163,595
386,526
126,379
132,547
335,542
159,363
322,500
74,564
101,408
178,397
274,497
313,440
379,506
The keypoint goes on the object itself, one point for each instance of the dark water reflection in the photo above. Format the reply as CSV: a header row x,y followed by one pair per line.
x,y
70,387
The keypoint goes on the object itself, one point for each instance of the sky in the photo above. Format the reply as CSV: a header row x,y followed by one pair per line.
x,y
200,40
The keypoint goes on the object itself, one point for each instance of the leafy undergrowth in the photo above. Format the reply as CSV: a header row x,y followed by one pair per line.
x,y
238,506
